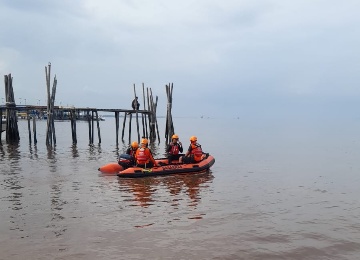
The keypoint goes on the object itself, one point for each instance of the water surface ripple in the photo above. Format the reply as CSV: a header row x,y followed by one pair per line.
x,y
288,192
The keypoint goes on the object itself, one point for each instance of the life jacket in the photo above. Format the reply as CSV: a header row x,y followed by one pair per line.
x,y
141,156
174,149
196,151
133,152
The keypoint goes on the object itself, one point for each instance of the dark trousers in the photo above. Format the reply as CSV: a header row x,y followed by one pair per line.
x,y
147,165
173,157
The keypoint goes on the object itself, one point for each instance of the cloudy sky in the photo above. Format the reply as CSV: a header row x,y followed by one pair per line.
x,y
230,57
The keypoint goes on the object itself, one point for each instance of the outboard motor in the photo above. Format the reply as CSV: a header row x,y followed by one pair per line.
x,y
126,160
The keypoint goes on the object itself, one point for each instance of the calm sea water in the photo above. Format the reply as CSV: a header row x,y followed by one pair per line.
x,y
279,189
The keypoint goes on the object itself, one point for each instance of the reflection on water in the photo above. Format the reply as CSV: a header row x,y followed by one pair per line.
x,y
13,186
285,194
33,152
57,223
74,151
144,190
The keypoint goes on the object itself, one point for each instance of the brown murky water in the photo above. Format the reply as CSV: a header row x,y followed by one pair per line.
x,y
277,191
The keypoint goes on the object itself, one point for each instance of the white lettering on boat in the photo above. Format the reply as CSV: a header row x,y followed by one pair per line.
x,y
172,167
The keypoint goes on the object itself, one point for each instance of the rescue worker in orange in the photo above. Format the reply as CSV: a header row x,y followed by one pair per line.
x,y
132,150
143,156
194,153
174,148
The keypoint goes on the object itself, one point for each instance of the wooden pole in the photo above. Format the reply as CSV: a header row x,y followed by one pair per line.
x,y
143,117
89,124
149,115
123,129
98,126
92,126
130,128
137,117
29,128
73,126
117,127
34,130
1,127
12,130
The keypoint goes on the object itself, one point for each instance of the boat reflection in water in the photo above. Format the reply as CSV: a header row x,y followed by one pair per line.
x,y
150,191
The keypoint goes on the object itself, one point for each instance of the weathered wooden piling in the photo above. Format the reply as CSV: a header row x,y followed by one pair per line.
x,y
147,112
34,130
149,122
98,125
123,129
73,126
50,132
137,118
28,123
144,120
169,127
12,130
1,125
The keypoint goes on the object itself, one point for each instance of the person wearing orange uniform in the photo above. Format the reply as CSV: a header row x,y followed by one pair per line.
x,y
174,148
131,150
143,156
194,153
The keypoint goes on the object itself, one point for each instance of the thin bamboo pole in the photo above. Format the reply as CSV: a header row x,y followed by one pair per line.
x,y
137,117
143,117
34,130
89,124
1,127
98,126
130,128
92,126
117,127
123,129
29,128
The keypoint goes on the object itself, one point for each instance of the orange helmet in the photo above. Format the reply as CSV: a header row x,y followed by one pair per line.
x,y
175,136
193,139
144,141
134,145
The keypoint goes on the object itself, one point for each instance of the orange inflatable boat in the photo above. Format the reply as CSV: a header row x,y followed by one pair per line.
x,y
163,169
166,169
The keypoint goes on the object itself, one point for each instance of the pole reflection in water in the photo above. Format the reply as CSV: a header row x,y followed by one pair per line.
x,y
12,186
181,192
57,223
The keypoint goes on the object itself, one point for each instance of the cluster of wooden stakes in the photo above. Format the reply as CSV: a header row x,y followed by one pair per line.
x,y
147,116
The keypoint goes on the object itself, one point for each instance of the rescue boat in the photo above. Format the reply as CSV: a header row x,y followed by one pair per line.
x,y
163,168
166,169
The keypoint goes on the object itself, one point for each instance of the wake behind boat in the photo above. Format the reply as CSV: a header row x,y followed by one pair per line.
x,y
163,168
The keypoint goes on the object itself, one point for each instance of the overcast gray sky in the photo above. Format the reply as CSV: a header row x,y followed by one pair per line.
x,y
225,58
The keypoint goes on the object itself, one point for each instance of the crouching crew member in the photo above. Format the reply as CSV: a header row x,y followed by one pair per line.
x,y
143,156
194,153
174,148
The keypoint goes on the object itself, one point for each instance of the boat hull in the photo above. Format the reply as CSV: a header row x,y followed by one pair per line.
x,y
111,168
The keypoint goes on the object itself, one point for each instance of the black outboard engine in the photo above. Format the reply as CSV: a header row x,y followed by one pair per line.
x,y
126,160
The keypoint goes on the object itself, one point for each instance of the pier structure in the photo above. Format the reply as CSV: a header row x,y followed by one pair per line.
x,y
50,112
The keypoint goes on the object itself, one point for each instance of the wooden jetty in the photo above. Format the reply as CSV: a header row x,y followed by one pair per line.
x,y
51,112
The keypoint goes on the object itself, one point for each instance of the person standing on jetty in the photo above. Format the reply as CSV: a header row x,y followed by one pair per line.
x,y
174,148
135,104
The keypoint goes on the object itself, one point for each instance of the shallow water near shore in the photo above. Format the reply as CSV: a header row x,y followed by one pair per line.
x,y
279,189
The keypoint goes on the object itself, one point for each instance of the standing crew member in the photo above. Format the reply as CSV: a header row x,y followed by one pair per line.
x,y
174,148
194,153
143,156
